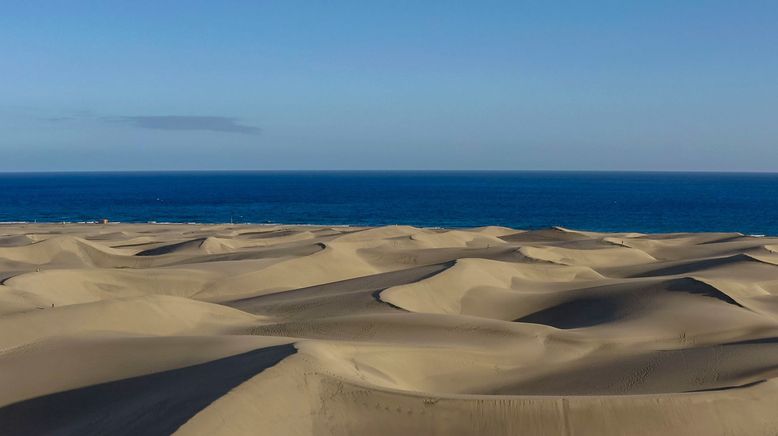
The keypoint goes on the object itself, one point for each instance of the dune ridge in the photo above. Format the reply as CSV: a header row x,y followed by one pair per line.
x,y
306,330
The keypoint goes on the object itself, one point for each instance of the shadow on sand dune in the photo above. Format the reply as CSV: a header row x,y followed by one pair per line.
x,y
609,303
155,404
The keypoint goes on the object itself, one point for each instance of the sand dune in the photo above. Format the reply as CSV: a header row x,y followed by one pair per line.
x,y
301,330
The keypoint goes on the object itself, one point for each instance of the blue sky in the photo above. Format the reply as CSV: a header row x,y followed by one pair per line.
x,y
610,85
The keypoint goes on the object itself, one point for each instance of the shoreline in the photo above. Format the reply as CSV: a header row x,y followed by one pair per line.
x,y
166,223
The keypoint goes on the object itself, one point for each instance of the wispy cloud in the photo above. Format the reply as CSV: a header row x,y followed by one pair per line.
x,y
185,122
56,119
63,116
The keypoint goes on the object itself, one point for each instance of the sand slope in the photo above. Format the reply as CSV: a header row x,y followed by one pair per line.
x,y
301,330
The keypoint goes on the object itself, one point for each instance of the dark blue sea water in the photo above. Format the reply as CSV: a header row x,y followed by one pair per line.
x,y
608,201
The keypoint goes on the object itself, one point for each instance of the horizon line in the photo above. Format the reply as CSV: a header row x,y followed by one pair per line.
x,y
385,171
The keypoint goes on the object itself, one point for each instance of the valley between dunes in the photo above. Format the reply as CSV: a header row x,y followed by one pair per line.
x,y
305,330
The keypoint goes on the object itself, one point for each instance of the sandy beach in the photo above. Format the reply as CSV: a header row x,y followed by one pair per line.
x,y
305,330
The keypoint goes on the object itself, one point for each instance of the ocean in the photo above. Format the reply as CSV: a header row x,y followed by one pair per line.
x,y
650,202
